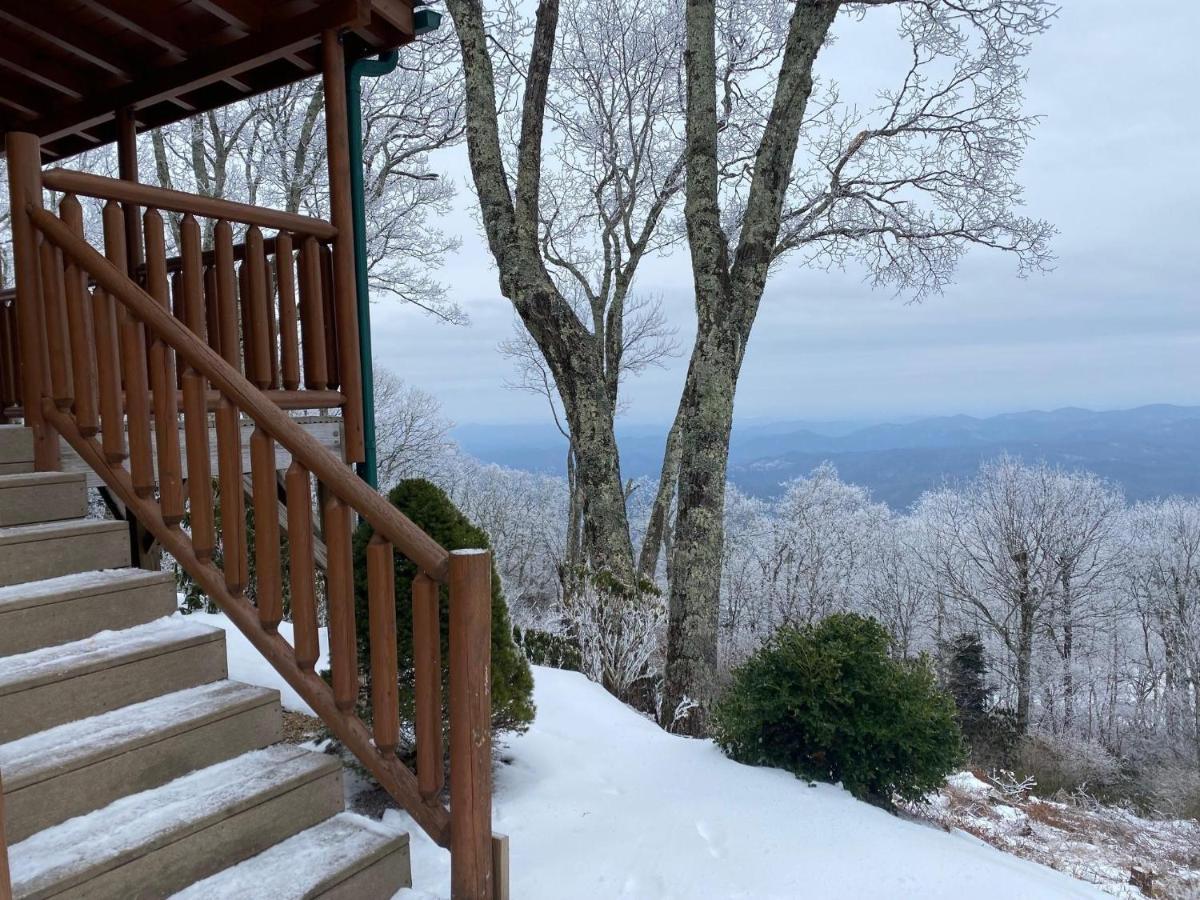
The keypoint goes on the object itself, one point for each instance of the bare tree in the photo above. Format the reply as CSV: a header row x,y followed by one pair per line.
x,y
905,188
568,238
412,434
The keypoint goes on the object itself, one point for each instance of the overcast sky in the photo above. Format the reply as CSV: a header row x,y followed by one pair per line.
x,y
1114,166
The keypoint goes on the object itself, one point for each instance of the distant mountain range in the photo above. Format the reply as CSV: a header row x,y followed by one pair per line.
x,y
1150,451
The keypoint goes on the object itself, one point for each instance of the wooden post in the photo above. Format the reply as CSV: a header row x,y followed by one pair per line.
x,y
24,155
5,878
345,298
127,170
471,725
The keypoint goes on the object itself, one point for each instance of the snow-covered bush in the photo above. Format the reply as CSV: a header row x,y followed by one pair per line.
x,y
1069,764
829,702
619,633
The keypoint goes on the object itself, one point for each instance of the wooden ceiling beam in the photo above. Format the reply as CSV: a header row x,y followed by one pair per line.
x,y
49,26
202,69
158,25
41,69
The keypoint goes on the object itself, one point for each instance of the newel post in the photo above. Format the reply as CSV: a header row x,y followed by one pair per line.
x,y
341,215
5,878
24,154
471,872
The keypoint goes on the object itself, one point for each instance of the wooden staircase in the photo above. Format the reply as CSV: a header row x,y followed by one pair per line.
x,y
153,369
132,767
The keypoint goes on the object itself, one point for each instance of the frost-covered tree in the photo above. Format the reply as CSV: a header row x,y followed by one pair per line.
x,y
1166,578
578,186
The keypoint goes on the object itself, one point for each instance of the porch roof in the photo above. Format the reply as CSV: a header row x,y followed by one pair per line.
x,y
66,66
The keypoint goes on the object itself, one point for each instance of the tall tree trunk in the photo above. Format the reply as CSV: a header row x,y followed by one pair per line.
x,y
657,525
706,410
728,289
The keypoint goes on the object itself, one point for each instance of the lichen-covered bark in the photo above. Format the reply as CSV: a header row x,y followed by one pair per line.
x,y
570,350
727,298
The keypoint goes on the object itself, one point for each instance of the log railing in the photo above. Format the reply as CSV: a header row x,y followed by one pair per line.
x,y
107,362
267,299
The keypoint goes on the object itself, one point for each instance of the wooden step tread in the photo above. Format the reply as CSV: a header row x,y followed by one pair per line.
x,y
82,743
102,651
42,531
86,848
333,853
79,584
28,479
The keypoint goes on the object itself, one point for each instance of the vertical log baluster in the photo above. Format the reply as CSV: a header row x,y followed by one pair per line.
x,y
79,319
300,550
195,405
381,606
339,580
226,293
7,392
312,319
233,503
332,360
260,320
229,431
162,376
247,346
132,355
266,530
108,351
212,308
427,687
470,723
285,279
54,310
177,311
272,324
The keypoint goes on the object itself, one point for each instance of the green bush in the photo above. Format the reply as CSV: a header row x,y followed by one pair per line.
x,y
545,648
512,682
827,702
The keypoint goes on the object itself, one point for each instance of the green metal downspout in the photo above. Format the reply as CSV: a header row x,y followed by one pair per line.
x,y
368,470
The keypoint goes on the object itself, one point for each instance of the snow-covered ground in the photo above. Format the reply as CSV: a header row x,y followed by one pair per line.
x,y
1097,843
600,804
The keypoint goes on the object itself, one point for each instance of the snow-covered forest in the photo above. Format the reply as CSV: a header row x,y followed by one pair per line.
x,y
1087,607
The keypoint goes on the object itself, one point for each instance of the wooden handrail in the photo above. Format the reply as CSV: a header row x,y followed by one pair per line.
x,y
88,185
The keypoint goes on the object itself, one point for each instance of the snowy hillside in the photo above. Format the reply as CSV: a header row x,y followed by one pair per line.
x,y
601,804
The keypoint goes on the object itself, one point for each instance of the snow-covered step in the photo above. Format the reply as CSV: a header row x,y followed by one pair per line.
x,y
54,685
160,841
347,857
77,767
16,449
50,549
42,497
52,611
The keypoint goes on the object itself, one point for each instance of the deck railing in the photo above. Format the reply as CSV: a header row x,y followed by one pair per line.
x,y
107,361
